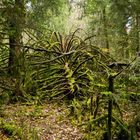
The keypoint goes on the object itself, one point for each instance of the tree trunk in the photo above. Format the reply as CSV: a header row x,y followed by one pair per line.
x,y
16,23
137,33
105,30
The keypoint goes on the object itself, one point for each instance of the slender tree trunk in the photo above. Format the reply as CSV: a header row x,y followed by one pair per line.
x,y
137,33
110,106
123,43
105,30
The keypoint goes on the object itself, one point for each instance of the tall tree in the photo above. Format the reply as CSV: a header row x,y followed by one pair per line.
x,y
14,18
16,21
135,5
99,22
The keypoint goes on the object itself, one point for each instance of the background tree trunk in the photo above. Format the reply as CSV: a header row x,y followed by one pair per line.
x,y
105,30
137,33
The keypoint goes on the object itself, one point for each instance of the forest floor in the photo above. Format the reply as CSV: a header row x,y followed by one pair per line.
x,y
49,121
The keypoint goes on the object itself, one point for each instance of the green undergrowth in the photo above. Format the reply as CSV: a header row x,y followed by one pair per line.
x,y
74,71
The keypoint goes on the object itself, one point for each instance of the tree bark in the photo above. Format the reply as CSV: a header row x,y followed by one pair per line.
x,y
16,21
16,25
105,30
137,33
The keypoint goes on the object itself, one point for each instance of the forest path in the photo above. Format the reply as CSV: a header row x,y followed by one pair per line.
x,y
49,121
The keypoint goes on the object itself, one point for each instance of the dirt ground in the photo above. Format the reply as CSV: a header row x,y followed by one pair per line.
x,y
49,121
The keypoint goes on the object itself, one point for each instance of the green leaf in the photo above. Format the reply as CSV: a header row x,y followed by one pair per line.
x,y
107,93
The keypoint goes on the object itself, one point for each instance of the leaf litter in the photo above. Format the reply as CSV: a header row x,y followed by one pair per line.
x,y
49,121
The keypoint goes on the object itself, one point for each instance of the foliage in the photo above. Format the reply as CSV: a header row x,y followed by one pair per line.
x,y
74,67
43,15
66,70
